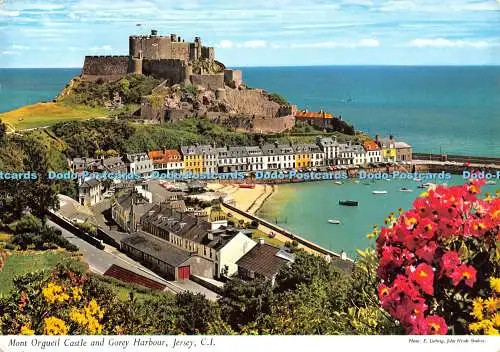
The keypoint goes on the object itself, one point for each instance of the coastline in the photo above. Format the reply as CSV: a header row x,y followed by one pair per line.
x,y
250,200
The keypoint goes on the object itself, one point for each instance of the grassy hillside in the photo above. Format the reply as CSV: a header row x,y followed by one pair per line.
x,y
47,114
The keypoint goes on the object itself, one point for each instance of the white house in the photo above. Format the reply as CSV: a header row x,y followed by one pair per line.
x,y
140,164
90,192
231,252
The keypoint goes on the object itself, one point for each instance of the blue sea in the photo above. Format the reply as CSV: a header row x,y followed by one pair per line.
x,y
455,110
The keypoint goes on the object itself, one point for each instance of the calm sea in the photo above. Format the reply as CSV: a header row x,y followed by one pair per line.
x,y
452,109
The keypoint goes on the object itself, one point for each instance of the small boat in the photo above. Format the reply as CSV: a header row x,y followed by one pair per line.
x,y
337,182
333,221
404,189
349,203
421,186
490,182
357,181
245,185
418,179
379,192
366,183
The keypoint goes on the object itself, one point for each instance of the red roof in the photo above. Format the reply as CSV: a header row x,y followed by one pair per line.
x,y
312,115
370,145
165,156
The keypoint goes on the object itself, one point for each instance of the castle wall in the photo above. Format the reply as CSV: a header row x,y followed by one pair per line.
x,y
106,65
233,78
168,69
273,125
209,81
252,102
163,47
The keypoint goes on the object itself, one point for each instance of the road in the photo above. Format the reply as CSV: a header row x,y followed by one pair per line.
x,y
101,260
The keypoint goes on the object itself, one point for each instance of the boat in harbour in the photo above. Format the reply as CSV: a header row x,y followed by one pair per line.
x,y
404,189
418,179
349,203
379,192
490,182
333,221
337,182
245,185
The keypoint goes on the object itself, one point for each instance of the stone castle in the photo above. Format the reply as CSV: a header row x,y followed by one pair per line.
x,y
165,57
221,95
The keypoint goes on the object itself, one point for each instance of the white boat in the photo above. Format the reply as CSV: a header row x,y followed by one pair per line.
x,y
405,189
490,182
333,221
338,182
379,192
418,179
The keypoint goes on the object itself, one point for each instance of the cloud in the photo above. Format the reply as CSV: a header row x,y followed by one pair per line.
x,y
448,43
102,48
224,44
5,13
251,44
10,52
362,43
254,44
19,47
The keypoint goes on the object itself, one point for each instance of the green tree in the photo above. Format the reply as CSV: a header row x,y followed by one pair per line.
x,y
243,302
195,313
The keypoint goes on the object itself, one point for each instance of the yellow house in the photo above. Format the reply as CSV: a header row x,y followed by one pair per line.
x,y
193,159
388,147
302,156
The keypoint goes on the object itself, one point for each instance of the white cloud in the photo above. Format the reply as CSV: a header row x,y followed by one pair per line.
x,y
254,44
448,43
225,44
10,52
5,13
102,48
363,43
19,47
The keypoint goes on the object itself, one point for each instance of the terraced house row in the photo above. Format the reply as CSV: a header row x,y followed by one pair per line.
x,y
327,151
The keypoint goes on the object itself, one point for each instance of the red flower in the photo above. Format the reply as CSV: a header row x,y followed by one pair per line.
x,y
463,272
436,325
427,252
423,276
449,262
426,228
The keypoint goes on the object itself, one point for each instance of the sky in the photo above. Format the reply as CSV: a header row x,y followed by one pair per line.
x,y
57,33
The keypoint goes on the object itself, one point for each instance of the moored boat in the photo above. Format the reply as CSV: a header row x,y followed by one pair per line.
x,y
404,189
245,185
350,203
379,192
490,182
333,221
337,182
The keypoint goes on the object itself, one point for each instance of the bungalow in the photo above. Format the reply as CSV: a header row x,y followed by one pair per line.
x,y
318,119
162,257
263,261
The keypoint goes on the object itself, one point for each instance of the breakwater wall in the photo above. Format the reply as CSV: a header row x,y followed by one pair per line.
x,y
288,234
457,158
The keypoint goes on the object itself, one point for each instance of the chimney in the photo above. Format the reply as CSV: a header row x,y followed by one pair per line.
x,y
391,137
261,241
376,138
210,236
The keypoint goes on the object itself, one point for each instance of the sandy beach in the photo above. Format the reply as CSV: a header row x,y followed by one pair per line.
x,y
247,199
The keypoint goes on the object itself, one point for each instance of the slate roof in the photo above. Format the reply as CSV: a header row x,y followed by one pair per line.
x,y
157,248
262,260
90,183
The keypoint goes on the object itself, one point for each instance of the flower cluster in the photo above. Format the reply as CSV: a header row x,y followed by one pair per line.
x,y
54,326
487,311
433,252
54,293
89,317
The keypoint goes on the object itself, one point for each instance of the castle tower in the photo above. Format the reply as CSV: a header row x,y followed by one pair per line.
x,y
188,71
137,63
197,46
